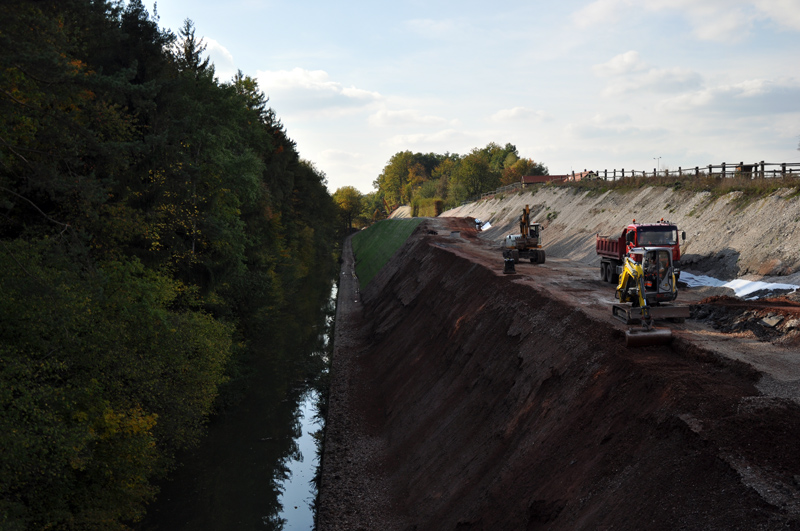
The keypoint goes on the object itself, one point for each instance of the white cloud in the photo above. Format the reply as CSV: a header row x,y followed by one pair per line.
x,y
784,12
387,118
612,129
756,97
520,114
659,80
720,23
621,64
630,74
431,28
339,155
624,63
600,12
601,119
437,138
318,80
224,66
299,90
716,20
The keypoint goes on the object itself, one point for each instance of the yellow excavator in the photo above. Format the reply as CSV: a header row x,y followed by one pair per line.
x,y
527,245
646,287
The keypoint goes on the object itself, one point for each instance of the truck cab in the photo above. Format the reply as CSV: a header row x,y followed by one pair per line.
x,y
659,234
612,250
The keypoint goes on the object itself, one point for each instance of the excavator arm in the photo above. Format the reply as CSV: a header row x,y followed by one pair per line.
x,y
631,287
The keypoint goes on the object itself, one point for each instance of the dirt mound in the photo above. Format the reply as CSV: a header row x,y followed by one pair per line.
x,y
488,404
774,320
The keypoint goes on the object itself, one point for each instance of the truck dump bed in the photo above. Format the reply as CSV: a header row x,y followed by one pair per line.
x,y
611,247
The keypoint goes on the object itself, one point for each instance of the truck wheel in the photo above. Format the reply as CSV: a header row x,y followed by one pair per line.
x,y
542,256
603,272
611,272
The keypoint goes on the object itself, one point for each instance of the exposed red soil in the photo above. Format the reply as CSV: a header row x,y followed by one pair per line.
x,y
463,398
770,320
779,304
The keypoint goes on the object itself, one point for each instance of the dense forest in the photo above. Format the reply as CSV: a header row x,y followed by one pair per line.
x,y
158,229
421,180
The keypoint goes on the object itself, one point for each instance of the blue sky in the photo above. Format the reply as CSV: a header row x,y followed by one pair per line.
x,y
573,84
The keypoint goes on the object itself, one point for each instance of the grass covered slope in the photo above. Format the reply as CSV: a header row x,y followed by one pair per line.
x,y
374,246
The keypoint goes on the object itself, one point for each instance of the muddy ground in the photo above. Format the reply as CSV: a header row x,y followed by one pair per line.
x,y
466,398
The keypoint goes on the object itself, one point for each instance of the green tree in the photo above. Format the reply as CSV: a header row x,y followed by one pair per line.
x,y
521,168
473,175
348,199
159,229
394,176
501,157
372,207
101,380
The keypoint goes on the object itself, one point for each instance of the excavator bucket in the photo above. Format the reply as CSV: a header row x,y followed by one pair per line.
x,y
646,337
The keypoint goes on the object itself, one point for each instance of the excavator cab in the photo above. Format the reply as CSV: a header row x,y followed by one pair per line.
x,y
533,232
659,279
648,277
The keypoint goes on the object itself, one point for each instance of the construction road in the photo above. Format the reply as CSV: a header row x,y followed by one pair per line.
x,y
579,285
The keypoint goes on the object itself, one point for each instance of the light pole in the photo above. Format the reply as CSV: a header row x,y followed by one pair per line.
x,y
659,162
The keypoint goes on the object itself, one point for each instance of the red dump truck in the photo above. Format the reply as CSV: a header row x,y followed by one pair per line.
x,y
612,250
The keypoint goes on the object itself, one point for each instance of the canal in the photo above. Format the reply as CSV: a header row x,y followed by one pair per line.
x,y
256,467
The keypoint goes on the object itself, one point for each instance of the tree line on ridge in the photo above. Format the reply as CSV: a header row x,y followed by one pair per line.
x,y
423,179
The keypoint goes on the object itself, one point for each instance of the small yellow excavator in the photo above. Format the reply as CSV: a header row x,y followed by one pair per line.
x,y
646,287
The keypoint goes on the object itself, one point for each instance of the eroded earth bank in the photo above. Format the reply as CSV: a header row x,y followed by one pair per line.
x,y
463,398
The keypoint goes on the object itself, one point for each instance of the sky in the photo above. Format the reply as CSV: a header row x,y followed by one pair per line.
x,y
574,85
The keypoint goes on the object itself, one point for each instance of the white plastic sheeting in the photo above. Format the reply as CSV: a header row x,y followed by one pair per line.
x,y
742,288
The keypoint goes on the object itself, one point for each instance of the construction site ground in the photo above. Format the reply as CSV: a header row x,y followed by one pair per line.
x,y
466,398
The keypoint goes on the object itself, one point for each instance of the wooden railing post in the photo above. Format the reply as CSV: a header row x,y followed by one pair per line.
x,y
762,169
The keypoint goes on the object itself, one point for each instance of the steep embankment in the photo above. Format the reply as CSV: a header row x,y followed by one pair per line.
x,y
727,237
466,400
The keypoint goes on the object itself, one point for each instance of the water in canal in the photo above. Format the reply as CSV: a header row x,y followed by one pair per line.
x,y
256,467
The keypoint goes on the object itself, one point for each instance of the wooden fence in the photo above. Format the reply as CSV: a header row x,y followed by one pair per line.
x,y
758,170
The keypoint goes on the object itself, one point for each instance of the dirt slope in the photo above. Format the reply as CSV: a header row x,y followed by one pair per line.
x,y
468,399
726,237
